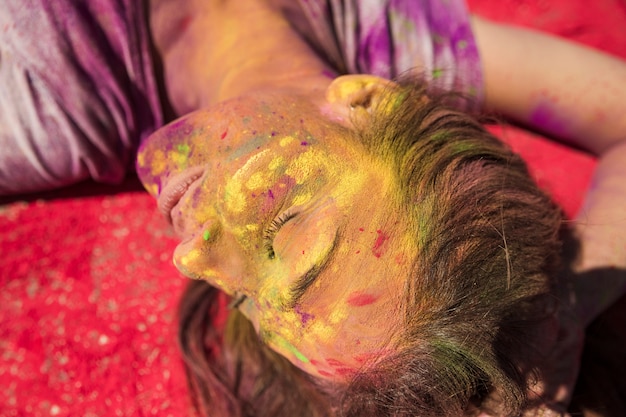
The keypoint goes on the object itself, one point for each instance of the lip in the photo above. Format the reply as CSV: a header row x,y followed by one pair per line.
x,y
174,190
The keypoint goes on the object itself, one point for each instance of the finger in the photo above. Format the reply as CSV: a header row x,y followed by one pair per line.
x,y
546,411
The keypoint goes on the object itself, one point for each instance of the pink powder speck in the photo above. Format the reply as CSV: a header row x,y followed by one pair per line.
x,y
359,299
400,259
334,362
377,249
345,371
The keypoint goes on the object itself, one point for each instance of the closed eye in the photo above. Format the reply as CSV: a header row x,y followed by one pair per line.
x,y
272,230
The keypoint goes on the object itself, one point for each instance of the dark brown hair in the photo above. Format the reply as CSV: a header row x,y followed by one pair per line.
x,y
475,303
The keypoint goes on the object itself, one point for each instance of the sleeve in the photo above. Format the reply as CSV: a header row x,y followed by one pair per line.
x,y
389,38
77,91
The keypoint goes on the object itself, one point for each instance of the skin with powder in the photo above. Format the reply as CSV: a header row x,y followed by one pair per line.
x,y
278,205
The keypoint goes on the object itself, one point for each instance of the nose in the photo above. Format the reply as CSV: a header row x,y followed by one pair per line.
x,y
215,256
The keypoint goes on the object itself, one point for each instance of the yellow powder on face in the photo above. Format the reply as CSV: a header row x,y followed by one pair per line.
x,y
314,164
234,197
211,273
158,163
256,181
189,257
153,189
320,331
241,231
180,159
362,182
293,325
301,199
277,163
141,159
352,182
337,315
307,165
286,141
203,212
219,283
274,292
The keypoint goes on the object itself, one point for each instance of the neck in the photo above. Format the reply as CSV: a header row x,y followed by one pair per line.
x,y
213,51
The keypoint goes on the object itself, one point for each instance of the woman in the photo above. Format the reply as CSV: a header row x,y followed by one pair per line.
x,y
271,192
390,264
260,72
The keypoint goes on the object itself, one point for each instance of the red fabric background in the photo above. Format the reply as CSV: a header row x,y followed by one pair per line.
x,y
88,292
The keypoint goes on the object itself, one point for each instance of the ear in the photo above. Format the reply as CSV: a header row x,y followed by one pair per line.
x,y
352,96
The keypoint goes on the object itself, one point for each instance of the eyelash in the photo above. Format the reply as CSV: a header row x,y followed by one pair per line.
x,y
273,229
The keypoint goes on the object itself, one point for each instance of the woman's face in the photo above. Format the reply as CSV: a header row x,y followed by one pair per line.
x,y
279,206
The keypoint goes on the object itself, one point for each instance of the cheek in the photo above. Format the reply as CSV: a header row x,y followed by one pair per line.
x,y
283,332
338,353
331,342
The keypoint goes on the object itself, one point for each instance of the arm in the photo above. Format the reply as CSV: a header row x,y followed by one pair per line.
x,y
578,95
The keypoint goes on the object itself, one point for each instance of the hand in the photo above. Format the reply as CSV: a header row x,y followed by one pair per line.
x,y
550,394
553,392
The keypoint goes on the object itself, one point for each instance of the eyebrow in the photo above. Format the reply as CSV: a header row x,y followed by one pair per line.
x,y
304,282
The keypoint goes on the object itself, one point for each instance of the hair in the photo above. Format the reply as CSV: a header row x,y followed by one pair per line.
x,y
475,303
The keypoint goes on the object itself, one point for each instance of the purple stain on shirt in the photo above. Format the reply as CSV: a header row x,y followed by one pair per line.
x,y
389,38
329,74
79,80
